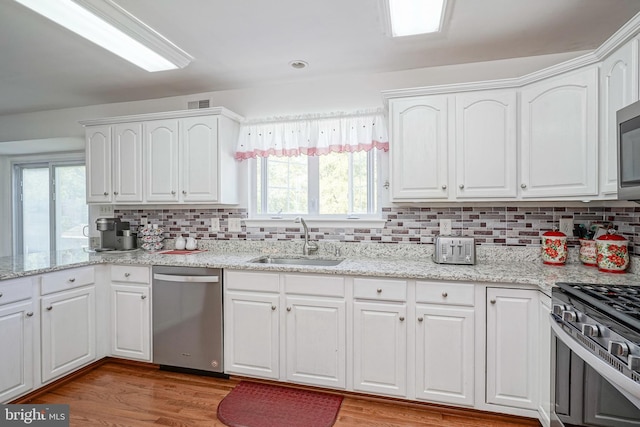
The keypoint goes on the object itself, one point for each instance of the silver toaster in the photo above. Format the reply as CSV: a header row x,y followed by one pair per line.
x,y
454,250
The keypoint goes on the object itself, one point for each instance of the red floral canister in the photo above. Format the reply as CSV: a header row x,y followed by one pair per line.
x,y
554,248
613,254
588,252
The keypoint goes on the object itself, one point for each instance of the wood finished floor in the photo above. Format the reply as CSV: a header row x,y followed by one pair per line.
x,y
116,394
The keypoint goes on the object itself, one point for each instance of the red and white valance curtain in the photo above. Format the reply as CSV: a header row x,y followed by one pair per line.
x,y
313,135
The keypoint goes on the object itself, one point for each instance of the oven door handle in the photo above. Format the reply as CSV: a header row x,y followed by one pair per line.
x,y
629,388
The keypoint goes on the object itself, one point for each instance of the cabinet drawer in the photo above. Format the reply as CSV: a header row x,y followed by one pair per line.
x,y
445,293
67,279
252,281
330,286
380,289
15,290
129,274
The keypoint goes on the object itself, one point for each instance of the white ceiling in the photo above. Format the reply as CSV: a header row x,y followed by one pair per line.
x,y
245,43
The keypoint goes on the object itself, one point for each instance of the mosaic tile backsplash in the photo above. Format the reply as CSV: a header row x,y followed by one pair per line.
x,y
498,226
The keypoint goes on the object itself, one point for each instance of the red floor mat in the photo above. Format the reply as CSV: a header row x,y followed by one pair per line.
x,y
252,404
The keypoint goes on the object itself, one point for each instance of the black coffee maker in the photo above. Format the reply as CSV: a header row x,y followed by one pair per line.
x,y
115,235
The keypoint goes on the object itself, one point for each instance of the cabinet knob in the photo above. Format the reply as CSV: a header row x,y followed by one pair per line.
x,y
127,274
379,290
523,186
29,313
105,194
143,297
0,294
401,318
173,193
273,308
184,192
115,193
445,294
444,186
73,279
288,308
461,186
420,319
49,308
493,301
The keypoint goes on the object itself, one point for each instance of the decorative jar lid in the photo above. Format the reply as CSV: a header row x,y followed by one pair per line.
x,y
611,235
554,233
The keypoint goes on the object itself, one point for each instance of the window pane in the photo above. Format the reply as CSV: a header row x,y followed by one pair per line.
x,y
71,207
360,184
286,185
334,184
35,210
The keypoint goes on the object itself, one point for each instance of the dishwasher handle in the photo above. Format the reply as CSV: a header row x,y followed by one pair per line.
x,y
187,279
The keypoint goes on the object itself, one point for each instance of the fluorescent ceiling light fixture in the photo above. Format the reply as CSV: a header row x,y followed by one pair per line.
x,y
411,17
108,25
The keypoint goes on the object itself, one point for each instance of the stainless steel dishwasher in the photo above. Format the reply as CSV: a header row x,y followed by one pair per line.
x,y
187,318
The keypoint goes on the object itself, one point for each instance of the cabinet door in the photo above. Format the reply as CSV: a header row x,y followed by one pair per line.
x,y
512,347
618,88
418,148
316,347
98,164
127,162
486,141
380,348
251,334
130,322
161,156
200,163
16,359
560,136
445,352
68,331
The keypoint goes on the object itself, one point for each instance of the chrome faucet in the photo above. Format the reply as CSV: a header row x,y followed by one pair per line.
x,y
309,247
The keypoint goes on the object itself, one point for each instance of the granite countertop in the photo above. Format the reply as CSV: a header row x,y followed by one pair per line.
x,y
519,268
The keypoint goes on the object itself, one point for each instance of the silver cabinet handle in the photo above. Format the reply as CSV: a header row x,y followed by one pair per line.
x,y
420,319
105,194
184,192
523,186
29,313
401,318
288,308
173,193
444,186
73,279
49,308
445,294
143,297
127,274
273,308
0,294
492,301
461,186
115,193
379,290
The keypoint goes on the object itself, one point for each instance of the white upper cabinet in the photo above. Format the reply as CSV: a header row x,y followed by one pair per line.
x,y
418,148
485,143
98,164
161,157
559,136
127,159
618,88
199,141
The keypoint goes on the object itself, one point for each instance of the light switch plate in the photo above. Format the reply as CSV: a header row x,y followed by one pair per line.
x,y
566,226
215,224
445,227
235,224
143,220
106,210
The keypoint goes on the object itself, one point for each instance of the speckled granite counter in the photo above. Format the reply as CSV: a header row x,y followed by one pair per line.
x,y
493,266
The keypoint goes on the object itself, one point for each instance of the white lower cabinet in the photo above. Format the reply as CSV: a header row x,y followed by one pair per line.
x,y
544,340
68,331
130,312
17,328
445,345
512,348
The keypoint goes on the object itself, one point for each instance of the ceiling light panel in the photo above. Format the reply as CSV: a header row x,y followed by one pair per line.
x,y
113,28
411,17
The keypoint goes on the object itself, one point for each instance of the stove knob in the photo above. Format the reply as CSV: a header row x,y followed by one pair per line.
x,y
558,309
591,330
569,316
618,348
634,362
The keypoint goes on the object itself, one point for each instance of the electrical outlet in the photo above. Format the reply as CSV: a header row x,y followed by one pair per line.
x,y
215,224
445,227
235,224
566,226
143,221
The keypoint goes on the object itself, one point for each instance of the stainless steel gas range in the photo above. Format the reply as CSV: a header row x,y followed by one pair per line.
x,y
595,355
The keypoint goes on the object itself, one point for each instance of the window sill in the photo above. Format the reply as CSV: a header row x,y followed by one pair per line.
x,y
316,222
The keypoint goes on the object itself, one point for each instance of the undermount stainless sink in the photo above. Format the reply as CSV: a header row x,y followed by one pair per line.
x,y
296,261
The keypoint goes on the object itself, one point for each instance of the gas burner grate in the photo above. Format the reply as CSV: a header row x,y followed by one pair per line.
x,y
624,300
